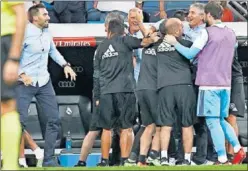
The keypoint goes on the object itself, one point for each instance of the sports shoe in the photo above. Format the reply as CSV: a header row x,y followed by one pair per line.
x,y
39,162
239,157
219,163
80,164
153,162
172,161
179,162
164,161
102,164
22,162
206,163
52,163
186,162
130,162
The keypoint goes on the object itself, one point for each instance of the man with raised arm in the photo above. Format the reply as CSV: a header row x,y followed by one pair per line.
x,y
215,56
114,85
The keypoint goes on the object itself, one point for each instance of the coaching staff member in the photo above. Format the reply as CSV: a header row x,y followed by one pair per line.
x,y
114,85
34,77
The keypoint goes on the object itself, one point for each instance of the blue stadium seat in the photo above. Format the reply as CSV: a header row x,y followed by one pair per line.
x,y
93,15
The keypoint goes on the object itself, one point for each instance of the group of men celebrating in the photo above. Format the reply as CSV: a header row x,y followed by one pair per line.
x,y
163,72
178,62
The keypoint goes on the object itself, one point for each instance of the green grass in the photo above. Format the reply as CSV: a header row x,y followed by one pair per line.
x,y
231,167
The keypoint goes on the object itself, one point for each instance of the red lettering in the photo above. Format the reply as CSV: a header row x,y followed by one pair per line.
x,y
75,41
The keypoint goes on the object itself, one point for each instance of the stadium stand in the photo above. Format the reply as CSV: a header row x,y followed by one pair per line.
x,y
92,15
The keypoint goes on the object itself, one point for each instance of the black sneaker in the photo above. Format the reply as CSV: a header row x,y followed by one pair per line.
x,y
186,162
179,162
80,164
164,161
102,164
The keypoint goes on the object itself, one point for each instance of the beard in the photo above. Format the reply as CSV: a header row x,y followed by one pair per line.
x,y
207,24
46,26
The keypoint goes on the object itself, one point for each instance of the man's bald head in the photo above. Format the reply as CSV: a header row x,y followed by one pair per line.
x,y
174,27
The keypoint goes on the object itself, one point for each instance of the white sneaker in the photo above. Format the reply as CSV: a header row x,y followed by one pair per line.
x,y
39,162
22,162
39,155
193,163
172,161
154,162
208,163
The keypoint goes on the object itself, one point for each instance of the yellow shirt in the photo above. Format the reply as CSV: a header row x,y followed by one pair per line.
x,y
8,17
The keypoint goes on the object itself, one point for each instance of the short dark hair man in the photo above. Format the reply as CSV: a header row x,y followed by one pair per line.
x,y
114,85
34,78
94,130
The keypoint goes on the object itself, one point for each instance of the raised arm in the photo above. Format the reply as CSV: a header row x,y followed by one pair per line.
x,y
135,43
95,4
162,12
191,52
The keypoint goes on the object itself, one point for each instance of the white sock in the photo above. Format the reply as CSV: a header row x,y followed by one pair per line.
x,y
236,148
22,161
164,154
222,159
38,153
187,156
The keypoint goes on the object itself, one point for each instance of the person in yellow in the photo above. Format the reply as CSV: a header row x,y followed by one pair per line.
x,y
13,22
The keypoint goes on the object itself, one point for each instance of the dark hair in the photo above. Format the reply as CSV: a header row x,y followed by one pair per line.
x,y
34,10
180,15
214,9
162,29
113,16
116,27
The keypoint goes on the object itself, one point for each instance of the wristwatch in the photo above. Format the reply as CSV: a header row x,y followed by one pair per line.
x,y
67,64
